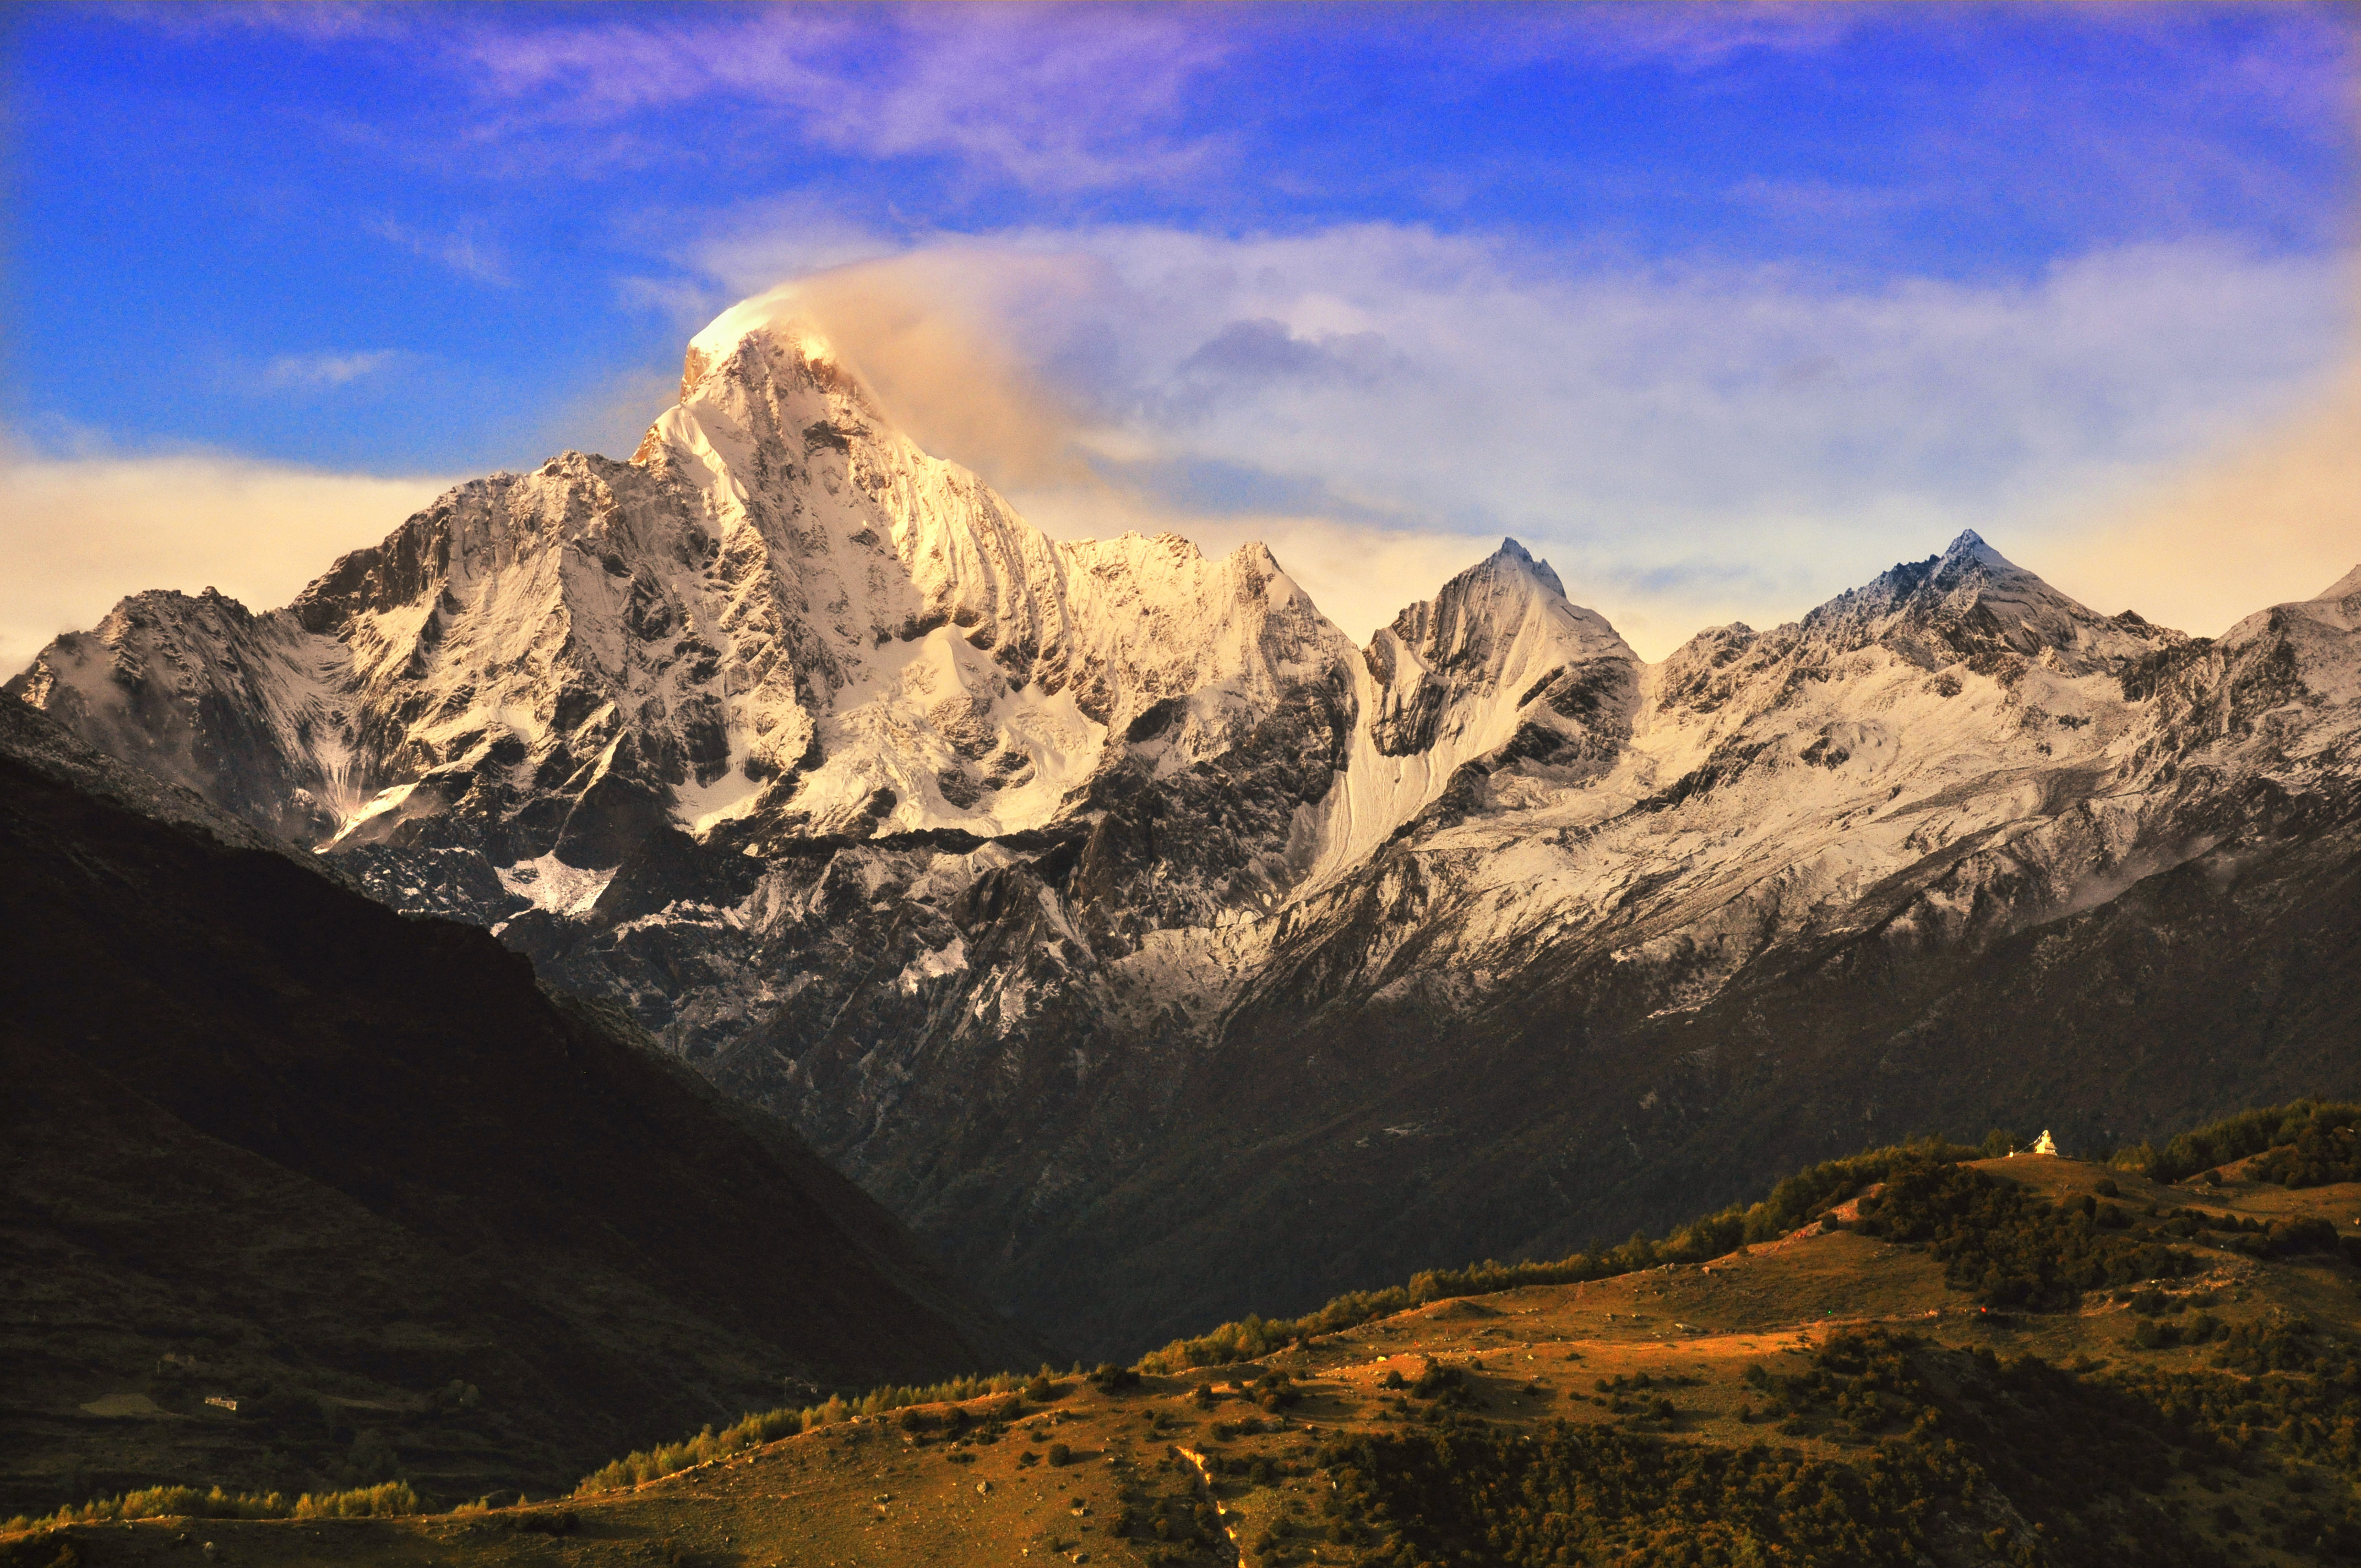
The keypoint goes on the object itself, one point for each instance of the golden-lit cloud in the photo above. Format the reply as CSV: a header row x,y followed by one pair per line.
x,y
920,330
927,332
1688,447
2276,518
79,533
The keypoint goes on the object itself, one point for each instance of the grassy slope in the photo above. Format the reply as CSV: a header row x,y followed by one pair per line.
x,y
874,1494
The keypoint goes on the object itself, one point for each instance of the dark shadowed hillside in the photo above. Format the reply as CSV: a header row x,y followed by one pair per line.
x,y
1562,1115
266,1141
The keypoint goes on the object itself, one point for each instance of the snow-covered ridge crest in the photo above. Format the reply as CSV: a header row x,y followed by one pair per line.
x,y
2345,588
254,712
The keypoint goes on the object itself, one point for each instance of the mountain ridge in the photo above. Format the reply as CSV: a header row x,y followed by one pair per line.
x,y
991,861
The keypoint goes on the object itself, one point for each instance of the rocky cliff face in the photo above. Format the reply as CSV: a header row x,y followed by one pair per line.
x,y
1103,910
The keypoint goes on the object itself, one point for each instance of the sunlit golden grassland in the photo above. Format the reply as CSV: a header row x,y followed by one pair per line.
x,y
1823,1395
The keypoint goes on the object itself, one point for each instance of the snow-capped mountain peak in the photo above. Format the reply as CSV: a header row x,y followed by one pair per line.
x,y
1513,556
1499,670
1971,604
1467,660
1972,545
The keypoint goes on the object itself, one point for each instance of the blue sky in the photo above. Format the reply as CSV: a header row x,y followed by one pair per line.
x,y
1722,306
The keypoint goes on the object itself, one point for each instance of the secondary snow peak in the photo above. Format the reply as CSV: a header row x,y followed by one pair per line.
x,y
1973,546
1513,556
1971,604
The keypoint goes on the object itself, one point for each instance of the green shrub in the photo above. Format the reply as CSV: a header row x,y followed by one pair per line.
x,y
1791,1202
1275,1390
390,1499
2268,1128
1111,1379
2005,1243
1957,1424
754,1430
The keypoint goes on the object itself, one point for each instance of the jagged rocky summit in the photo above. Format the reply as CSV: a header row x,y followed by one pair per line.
x,y
1155,950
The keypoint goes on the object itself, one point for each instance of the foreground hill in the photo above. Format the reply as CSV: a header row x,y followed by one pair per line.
x,y
1951,1360
304,1192
1107,913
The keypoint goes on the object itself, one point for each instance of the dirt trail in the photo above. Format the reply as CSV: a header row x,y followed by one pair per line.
x,y
1230,1521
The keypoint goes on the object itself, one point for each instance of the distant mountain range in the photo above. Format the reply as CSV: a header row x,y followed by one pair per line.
x,y
1156,952
303,1193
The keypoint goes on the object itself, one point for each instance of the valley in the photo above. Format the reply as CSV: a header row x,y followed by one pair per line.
x,y
1713,1408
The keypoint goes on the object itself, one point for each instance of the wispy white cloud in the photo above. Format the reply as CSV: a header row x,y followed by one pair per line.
x,y
1691,444
1056,97
1692,37
323,371
81,531
466,248
751,246
1061,98
1053,97
2298,65
1073,99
